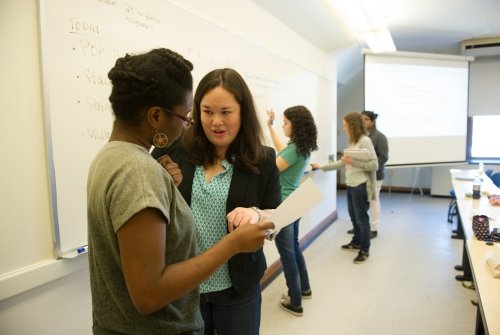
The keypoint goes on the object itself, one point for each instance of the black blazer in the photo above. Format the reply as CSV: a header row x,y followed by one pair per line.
x,y
247,189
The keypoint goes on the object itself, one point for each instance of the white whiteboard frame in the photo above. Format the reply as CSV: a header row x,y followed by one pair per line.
x,y
48,129
314,81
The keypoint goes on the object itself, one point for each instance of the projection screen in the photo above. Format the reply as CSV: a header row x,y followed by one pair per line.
x,y
422,102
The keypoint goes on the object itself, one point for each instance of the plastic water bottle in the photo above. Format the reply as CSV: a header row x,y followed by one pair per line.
x,y
480,171
476,188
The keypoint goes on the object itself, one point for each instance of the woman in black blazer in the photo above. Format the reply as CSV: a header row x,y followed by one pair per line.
x,y
229,178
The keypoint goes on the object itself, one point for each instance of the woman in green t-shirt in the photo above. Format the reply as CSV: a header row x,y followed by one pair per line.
x,y
292,160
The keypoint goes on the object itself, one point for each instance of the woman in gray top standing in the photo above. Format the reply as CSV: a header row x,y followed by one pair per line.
x,y
382,150
360,181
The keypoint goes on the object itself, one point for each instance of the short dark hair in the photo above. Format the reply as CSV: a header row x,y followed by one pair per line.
x,y
160,77
371,115
247,150
304,131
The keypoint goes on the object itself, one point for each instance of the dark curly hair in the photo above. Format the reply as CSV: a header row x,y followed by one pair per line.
x,y
355,126
160,77
247,150
304,131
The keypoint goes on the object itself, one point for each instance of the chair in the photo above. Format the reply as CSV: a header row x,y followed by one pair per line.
x,y
495,178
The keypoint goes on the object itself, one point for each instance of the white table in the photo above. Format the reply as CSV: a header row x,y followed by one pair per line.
x,y
487,287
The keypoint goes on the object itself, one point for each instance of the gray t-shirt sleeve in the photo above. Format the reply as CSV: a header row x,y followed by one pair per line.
x,y
139,185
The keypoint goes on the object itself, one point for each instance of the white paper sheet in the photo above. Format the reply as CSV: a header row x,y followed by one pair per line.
x,y
359,154
296,205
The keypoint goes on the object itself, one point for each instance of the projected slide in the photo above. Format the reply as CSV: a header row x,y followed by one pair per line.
x,y
422,105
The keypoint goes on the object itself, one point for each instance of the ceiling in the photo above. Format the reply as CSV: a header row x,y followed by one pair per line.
x,y
431,26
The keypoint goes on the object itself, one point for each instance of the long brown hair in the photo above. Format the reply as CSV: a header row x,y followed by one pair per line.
x,y
247,150
355,126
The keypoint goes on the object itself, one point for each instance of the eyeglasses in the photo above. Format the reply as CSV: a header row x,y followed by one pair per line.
x,y
187,121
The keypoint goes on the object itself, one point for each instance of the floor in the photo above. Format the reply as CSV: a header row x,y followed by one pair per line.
x,y
406,286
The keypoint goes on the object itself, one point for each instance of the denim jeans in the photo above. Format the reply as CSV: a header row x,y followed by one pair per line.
x,y
227,313
358,205
294,264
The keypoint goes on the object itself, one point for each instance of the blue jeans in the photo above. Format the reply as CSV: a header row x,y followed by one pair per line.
x,y
294,264
227,313
358,205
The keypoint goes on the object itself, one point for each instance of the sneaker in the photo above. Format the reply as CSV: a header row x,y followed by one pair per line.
x,y
351,246
373,234
287,306
350,231
361,257
305,295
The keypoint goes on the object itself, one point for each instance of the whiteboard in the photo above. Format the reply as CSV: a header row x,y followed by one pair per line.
x,y
80,42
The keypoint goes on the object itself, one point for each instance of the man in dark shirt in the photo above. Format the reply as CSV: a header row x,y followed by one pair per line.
x,y
382,150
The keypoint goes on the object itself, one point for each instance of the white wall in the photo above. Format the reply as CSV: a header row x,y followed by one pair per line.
x,y
485,85
41,295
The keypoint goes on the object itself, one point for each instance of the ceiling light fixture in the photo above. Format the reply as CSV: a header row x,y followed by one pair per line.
x,y
365,19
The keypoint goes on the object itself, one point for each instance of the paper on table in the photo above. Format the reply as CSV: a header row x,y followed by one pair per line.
x,y
359,154
296,205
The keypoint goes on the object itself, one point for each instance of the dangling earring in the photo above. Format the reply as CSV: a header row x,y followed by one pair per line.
x,y
160,140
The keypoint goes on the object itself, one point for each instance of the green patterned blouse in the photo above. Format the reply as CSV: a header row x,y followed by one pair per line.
x,y
208,204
